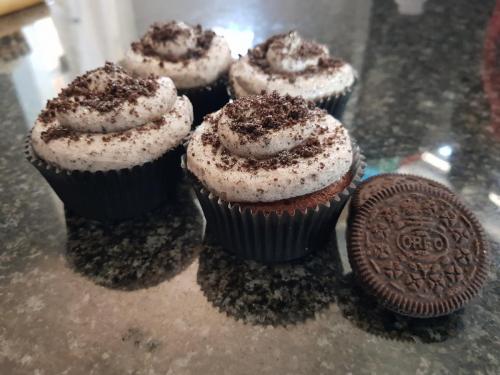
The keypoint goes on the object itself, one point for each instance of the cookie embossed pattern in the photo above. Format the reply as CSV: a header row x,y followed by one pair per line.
x,y
381,181
419,250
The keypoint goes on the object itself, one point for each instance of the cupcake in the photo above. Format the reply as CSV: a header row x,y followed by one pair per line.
x,y
110,144
272,174
290,65
196,60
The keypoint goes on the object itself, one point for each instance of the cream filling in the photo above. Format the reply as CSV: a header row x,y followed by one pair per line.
x,y
116,150
185,74
237,184
247,79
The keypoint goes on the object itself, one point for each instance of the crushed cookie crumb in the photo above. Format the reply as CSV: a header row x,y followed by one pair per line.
x,y
162,32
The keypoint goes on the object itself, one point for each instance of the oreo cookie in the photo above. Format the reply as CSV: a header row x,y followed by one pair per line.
x,y
418,250
374,184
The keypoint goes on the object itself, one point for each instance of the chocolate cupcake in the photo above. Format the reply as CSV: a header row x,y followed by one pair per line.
x,y
109,144
272,174
290,65
196,60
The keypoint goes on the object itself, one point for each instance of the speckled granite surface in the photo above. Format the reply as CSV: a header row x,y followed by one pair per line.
x,y
149,297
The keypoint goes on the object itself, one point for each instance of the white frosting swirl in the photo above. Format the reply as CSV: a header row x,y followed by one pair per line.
x,y
140,124
174,39
290,65
266,145
240,162
146,108
290,53
188,55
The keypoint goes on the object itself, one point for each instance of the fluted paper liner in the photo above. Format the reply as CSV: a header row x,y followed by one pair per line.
x,y
115,194
273,238
207,99
336,104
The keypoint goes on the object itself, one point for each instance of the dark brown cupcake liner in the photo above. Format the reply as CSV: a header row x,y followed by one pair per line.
x,y
207,99
335,104
116,194
274,238
386,295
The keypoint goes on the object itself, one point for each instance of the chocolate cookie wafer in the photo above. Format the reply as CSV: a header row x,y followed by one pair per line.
x,y
418,250
374,184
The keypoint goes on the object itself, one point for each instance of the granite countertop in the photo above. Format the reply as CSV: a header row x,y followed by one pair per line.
x,y
149,296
